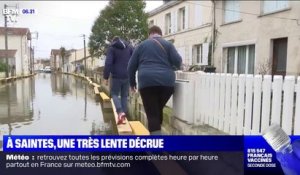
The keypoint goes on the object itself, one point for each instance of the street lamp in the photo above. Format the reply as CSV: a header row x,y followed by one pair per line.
x,y
83,35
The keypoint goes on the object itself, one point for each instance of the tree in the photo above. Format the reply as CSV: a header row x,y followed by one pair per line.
x,y
126,19
62,52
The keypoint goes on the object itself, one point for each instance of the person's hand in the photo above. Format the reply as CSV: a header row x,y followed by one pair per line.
x,y
106,82
133,89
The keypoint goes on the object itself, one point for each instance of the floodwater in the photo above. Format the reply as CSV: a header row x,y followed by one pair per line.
x,y
50,104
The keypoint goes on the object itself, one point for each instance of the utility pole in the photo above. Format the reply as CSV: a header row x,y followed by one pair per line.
x,y
32,65
75,63
6,40
84,54
32,50
6,44
30,55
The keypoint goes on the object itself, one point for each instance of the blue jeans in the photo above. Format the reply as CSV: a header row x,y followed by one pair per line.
x,y
120,87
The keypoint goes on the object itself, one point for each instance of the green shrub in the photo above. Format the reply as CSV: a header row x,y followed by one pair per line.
x,y
3,67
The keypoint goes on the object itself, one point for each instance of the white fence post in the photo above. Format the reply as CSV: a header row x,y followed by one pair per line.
x,y
248,107
206,97
202,100
198,107
227,102
256,105
266,104
276,101
233,114
288,104
241,105
217,100
297,113
222,101
211,98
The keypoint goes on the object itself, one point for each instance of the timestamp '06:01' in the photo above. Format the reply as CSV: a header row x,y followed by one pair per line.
x,y
28,11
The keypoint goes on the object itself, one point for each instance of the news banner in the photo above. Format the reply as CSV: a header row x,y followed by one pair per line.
x,y
246,154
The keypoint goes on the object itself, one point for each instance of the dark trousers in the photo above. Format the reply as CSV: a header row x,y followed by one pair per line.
x,y
154,99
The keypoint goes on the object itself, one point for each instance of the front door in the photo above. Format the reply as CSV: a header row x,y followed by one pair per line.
x,y
279,56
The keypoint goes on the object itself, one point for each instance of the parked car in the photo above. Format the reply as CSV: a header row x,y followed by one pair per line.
x,y
47,69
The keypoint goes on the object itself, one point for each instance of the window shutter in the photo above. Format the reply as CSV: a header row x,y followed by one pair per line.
x,y
181,52
190,55
172,22
205,50
198,15
175,21
194,54
186,24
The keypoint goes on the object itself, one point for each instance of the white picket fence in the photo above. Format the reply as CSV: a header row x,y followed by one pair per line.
x,y
242,104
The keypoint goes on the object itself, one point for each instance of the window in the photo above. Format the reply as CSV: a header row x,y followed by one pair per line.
x,y
232,11
181,19
241,59
197,54
272,6
151,23
200,54
230,60
279,56
168,25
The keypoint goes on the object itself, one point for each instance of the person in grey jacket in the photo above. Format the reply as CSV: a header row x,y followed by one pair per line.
x,y
155,59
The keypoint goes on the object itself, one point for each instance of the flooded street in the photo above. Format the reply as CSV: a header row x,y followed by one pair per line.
x,y
50,104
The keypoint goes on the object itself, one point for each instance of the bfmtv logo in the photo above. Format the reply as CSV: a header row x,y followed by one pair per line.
x,y
11,14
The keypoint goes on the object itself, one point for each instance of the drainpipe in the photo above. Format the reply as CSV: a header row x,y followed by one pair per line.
x,y
22,59
213,32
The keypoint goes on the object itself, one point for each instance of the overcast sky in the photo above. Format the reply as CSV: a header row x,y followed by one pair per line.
x,y
60,23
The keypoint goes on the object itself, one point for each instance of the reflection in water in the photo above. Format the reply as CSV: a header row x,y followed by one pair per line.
x,y
85,102
50,104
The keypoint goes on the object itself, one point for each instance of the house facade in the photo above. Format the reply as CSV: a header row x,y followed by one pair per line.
x,y
188,25
55,59
77,59
250,37
41,63
18,52
257,37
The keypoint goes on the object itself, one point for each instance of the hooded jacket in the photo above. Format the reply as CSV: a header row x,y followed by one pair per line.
x,y
117,58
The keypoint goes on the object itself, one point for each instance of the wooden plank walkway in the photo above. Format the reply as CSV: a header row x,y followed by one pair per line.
x,y
123,129
130,127
104,97
138,128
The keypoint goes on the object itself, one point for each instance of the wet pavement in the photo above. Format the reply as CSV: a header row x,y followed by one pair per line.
x,y
51,104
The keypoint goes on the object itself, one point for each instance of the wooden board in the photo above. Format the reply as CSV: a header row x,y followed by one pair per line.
x,y
104,97
96,90
138,128
96,85
123,129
